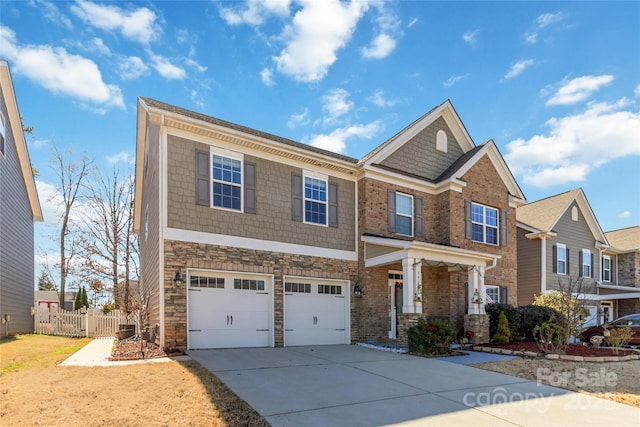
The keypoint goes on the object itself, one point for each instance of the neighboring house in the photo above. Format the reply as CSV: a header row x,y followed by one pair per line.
x,y
48,299
19,209
619,284
560,247
280,243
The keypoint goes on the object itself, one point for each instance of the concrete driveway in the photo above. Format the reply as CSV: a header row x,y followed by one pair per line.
x,y
347,385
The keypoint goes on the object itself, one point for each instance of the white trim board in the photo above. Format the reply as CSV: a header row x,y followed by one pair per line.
x,y
256,244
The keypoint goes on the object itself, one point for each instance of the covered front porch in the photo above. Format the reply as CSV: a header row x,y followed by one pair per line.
x,y
430,280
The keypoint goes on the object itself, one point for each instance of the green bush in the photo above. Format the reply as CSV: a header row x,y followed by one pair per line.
x,y
503,334
522,320
550,337
431,336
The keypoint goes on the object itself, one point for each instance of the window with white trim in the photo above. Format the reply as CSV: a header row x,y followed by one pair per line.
x,y
315,200
484,224
606,268
561,259
404,214
493,294
586,263
227,181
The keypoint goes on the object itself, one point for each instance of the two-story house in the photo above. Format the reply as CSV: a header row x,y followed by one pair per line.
x,y
261,229
560,247
249,239
619,285
19,209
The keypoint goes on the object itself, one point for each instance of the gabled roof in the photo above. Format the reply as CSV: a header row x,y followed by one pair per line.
x,y
544,214
625,239
445,110
18,137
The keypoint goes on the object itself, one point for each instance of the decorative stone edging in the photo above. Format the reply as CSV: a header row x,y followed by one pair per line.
x,y
557,356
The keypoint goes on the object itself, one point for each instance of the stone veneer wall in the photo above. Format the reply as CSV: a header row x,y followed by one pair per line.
x,y
629,269
199,255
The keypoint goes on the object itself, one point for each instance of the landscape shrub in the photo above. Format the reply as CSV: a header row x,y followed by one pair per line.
x,y
522,320
431,336
550,337
619,337
503,334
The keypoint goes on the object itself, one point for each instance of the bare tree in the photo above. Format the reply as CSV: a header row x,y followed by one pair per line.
x,y
71,177
107,229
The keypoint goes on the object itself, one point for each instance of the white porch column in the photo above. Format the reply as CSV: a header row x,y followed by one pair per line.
x,y
476,282
408,285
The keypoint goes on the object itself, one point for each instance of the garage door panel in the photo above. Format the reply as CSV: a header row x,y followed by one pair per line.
x,y
313,318
223,316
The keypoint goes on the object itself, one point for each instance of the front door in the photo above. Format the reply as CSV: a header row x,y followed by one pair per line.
x,y
395,302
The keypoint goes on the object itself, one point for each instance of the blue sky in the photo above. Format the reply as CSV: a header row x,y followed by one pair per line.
x,y
555,84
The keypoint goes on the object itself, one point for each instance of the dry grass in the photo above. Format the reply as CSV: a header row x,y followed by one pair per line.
x,y
154,394
618,381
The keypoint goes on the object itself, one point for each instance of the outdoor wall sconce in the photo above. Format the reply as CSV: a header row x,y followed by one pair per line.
x,y
178,280
476,297
357,290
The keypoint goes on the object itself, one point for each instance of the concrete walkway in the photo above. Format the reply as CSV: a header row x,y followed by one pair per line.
x,y
355,386
98,351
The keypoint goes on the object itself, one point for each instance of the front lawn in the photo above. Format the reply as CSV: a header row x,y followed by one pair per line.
x,y
35,390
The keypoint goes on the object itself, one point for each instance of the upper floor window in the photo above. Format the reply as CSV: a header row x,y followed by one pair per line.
x,y
404,214
484,224
561,259
586,263
227,182
606,268
315,200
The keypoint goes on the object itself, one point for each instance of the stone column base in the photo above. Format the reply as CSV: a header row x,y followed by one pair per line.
x,y
479,324
405,321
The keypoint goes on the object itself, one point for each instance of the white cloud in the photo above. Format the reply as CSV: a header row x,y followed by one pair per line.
x,y
195,65
335,103
121,157
131,68
319,29
413,22
379,100
336,141
50,12
266,75
470,37
166,69
575,145
636,91
517,68
453,80
547,19
60,72
137,25
530,38
255,12
579,89
380,47
624,214
298,119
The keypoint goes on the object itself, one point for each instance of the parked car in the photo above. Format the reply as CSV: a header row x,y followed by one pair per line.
x,y
589,334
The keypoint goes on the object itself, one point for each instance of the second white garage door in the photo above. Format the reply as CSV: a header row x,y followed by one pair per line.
x,y
316,312
229,310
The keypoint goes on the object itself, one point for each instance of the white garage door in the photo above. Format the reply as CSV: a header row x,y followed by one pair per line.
x,y
315,312
229,310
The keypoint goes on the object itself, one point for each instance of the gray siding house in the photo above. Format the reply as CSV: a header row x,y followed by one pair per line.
x,y
19,209
560,247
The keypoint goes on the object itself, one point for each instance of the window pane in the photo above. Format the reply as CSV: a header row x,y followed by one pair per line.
x,y
491,216
477,213
492,235
226,196
315,212
404,204
403,225
315,189
477,233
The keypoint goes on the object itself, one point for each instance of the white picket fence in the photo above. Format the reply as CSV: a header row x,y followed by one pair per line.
x,y
79,323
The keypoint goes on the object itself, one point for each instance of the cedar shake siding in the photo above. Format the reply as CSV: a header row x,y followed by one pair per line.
x,y
272,217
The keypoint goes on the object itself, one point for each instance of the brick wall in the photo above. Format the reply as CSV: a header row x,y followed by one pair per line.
x,y
212,257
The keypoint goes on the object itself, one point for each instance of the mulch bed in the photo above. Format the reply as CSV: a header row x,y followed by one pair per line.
x,y
571,349
131,349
